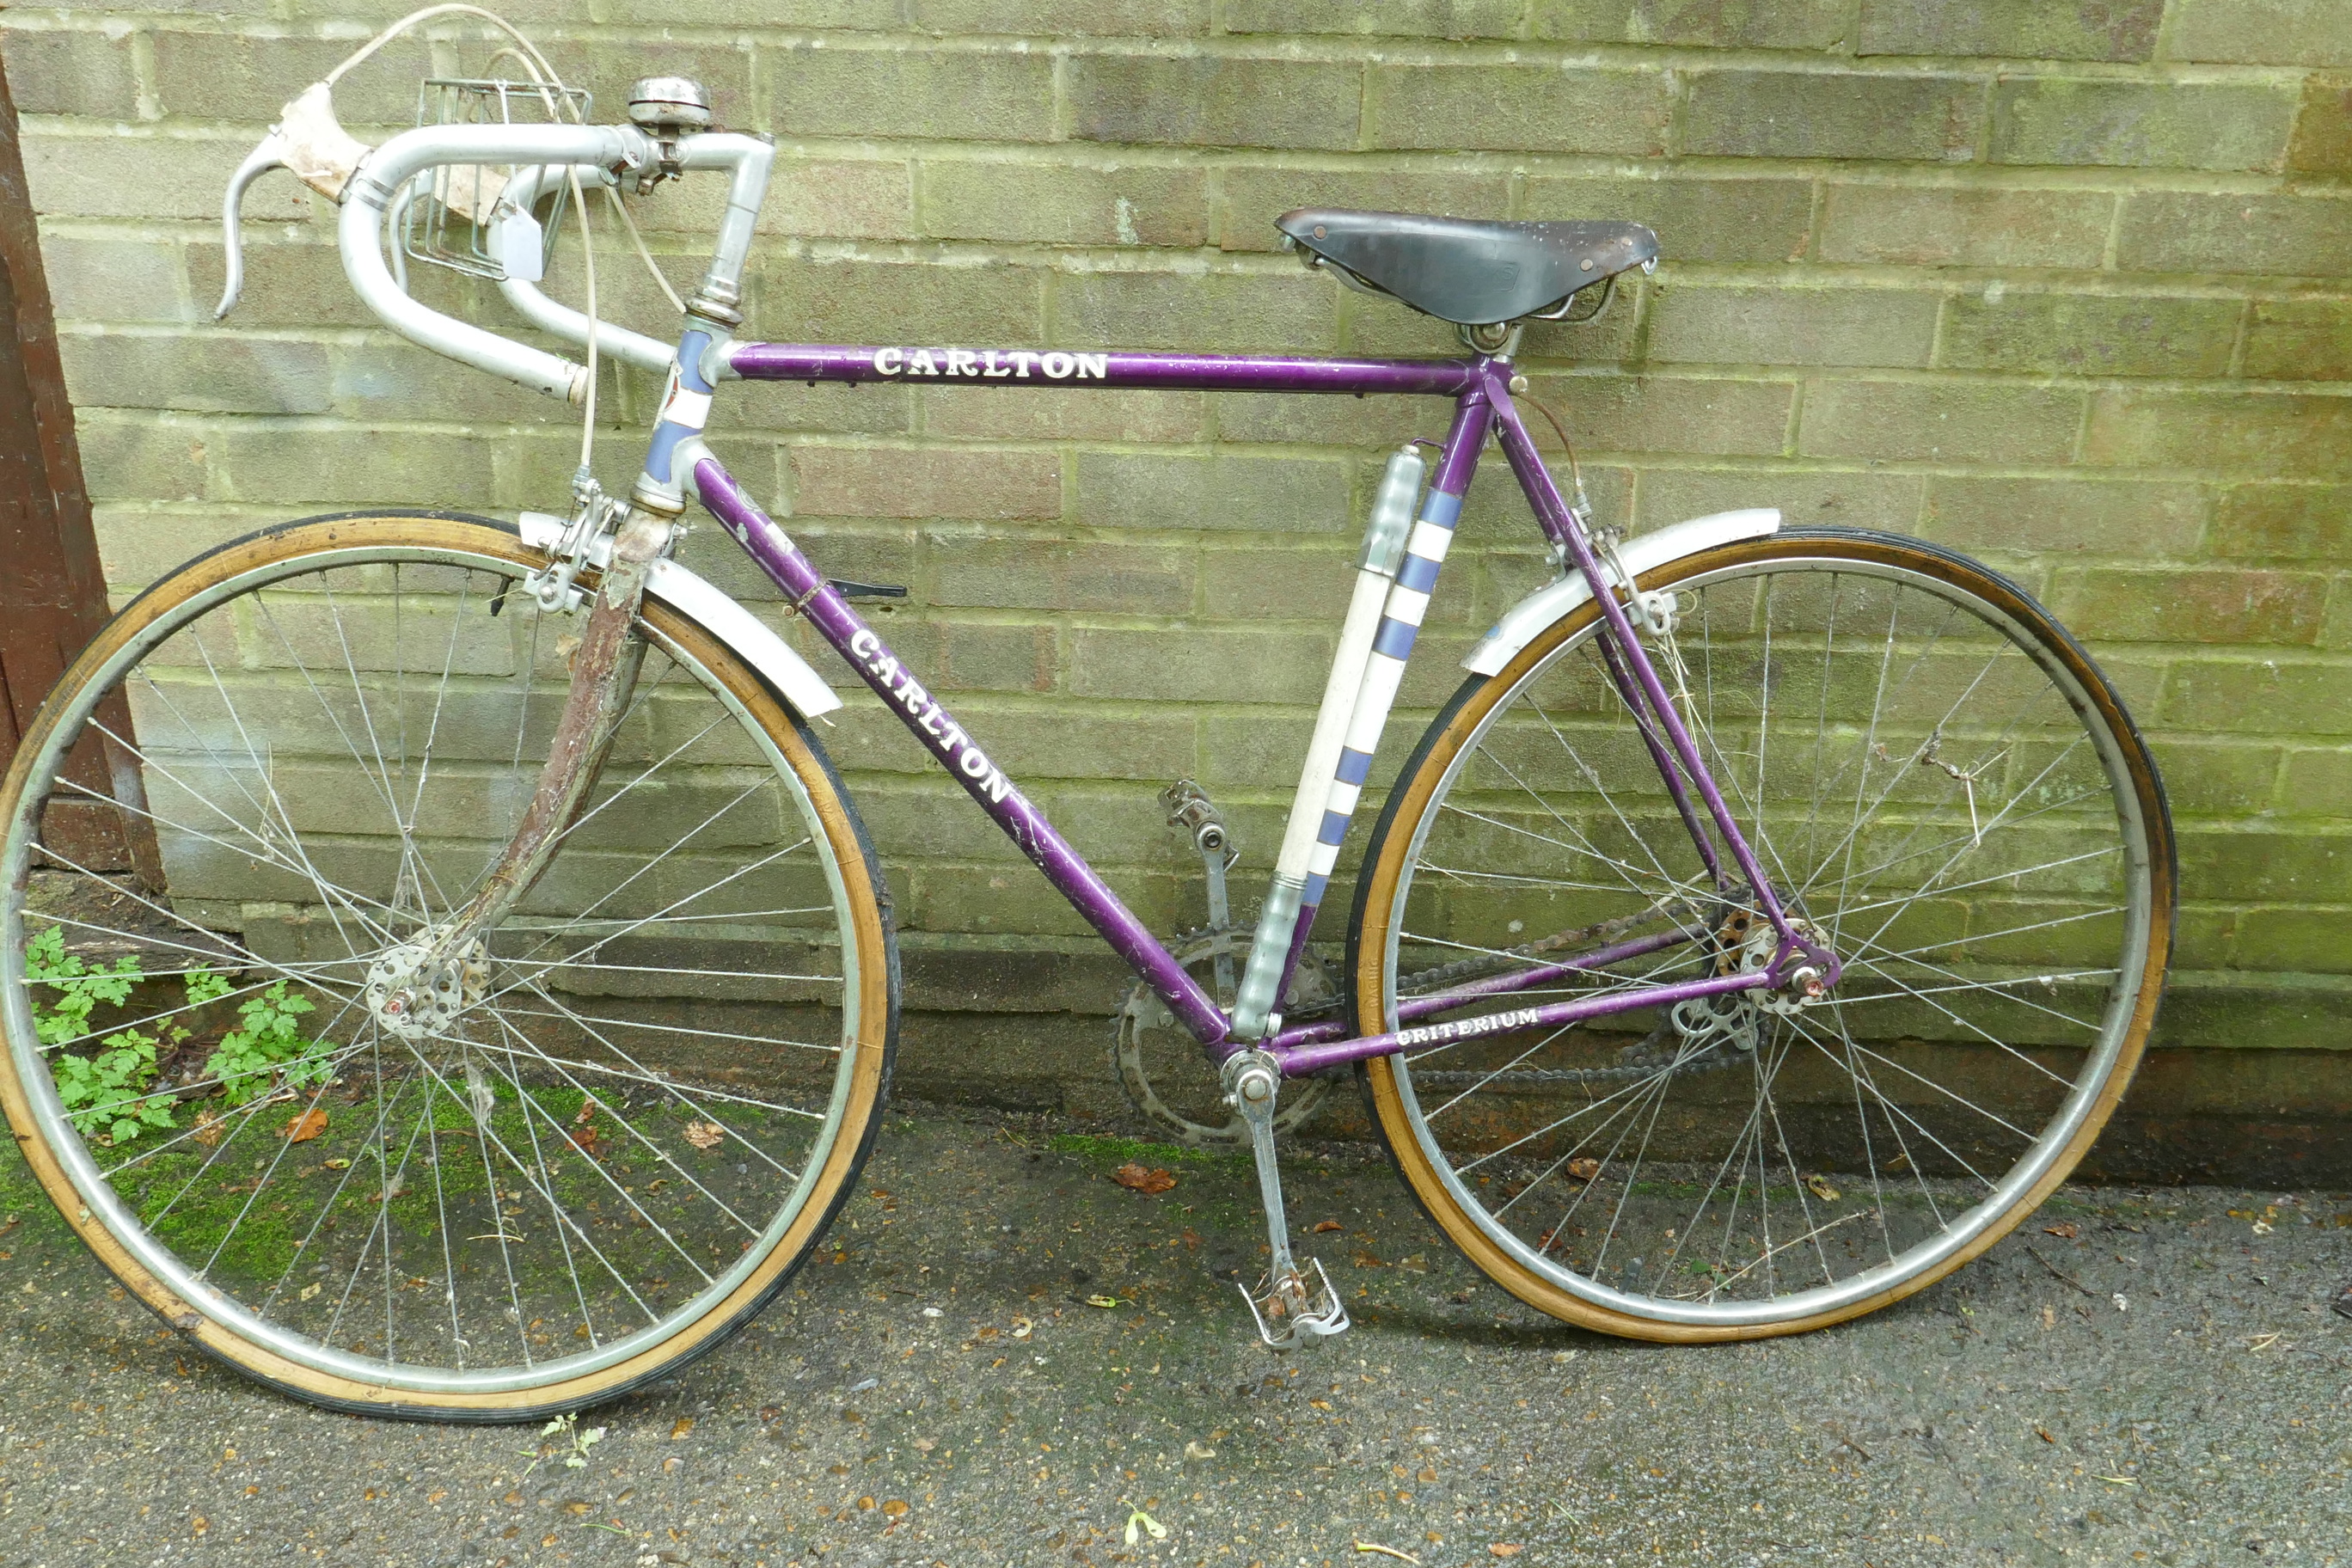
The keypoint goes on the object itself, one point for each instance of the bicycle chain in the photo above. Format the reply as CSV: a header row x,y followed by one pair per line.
x,y
1638,1061
1470,967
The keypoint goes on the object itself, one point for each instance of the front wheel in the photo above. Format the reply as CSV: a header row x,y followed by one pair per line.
x,y
1936,780
593,1159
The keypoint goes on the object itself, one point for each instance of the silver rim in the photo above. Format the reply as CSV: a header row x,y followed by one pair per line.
x,y
1959,820
617,1127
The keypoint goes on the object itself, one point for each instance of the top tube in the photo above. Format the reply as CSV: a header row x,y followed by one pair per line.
x,y
1057,367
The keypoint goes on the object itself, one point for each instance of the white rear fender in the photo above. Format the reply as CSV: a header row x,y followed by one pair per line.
x,y
1642,554
721,615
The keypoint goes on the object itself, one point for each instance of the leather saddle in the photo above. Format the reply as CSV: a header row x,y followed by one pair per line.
x,y
1470,271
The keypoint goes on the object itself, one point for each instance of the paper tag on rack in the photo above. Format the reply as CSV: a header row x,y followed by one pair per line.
x,y
681,405
519,245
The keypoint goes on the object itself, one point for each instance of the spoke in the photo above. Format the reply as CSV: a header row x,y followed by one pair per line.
x,y
573,1015
526,1051
1974,1029
1765,1081
149,1151
276,1159
692,1101
327,891
1906,900
268,782
1473,1089
50,1047
511,1073
539,1155
652,1080
1636,1089
326,1212
1592,777
490,1140
669,969
705,891
378,780
440,694
1962,1100
1688,889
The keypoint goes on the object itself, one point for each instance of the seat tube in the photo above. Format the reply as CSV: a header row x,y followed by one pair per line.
x,y
1304,873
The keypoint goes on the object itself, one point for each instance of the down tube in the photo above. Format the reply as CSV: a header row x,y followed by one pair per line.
x,y
867,653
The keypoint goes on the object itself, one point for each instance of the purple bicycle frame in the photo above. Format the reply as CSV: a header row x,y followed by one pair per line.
x,y
1481,389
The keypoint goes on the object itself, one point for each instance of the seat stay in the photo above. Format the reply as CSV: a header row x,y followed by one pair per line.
x,y
1646,689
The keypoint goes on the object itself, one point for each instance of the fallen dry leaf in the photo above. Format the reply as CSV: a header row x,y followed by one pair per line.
x,y
1365,1260
2043,1433
2067,1232
307,1125
895,1507
1102,1300
199,1524
339,1164
1583,1169
1136,1179
925,1445
705,1135
1022,1328
1505,1549
1326,1225
208,1128
1822,1189
685,1424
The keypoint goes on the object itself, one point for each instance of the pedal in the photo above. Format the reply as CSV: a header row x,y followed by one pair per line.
x,y
1193,814
1292,1313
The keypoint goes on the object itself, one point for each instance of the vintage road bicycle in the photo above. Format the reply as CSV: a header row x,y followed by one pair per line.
x,y
492,998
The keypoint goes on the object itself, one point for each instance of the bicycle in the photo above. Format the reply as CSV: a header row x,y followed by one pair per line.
x,y
1769,922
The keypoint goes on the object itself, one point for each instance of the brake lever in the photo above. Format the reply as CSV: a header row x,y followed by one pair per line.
x,y
309,143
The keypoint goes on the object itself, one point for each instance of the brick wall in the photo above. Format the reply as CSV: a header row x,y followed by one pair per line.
x,y
2067,283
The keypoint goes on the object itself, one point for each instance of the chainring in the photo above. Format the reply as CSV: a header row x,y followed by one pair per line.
x,y
1170,1081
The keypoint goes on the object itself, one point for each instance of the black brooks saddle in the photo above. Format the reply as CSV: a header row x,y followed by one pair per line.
x,y
1469,271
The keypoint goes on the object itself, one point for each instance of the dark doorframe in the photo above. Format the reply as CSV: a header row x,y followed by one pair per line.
x,y
52,590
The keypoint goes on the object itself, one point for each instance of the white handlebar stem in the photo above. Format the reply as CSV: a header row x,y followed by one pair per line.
x,y
750,158
371,191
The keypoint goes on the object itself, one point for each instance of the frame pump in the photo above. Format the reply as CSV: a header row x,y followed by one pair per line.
x,y
1356,702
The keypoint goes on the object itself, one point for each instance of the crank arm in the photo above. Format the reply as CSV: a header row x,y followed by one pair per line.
x,y
1291,1313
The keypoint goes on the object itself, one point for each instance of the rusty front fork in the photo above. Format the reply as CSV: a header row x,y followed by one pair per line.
x,y
416,988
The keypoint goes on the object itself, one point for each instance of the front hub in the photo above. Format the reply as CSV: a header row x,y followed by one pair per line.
x,y
414,995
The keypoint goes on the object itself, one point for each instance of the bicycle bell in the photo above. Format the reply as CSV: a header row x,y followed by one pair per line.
x,y
667,107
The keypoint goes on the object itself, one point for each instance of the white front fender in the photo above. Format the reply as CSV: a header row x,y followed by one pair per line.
x,y
721,616
1642,555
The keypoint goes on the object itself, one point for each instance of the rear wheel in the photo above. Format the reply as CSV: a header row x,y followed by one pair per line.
x,y
1936,780
607,1154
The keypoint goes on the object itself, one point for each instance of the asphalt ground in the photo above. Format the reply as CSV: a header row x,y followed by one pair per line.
x,y
2165,1384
